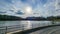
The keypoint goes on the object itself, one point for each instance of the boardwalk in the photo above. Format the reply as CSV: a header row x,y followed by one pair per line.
x,y
50,30
14,32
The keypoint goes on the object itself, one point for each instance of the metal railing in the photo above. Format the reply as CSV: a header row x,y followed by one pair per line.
x,y
6,29
3,30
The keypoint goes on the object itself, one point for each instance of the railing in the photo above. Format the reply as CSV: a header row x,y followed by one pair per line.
x,y
6,29
3,30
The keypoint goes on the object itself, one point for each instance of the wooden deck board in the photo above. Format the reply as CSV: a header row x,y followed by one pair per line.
x,y
14,32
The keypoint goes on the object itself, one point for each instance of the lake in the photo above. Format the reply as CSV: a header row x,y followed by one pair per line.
x,y
10,23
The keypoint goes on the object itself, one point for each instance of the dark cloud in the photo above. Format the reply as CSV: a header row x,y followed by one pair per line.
x,y
19,12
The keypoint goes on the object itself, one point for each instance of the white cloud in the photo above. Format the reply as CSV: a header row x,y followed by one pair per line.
x,y
48,9
45,10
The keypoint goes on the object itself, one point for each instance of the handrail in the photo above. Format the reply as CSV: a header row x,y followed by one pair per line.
x,y
10,28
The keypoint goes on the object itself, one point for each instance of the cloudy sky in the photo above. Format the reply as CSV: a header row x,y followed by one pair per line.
x,y
25,8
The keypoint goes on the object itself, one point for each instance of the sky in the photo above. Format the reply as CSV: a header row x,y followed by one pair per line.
x,y
28,8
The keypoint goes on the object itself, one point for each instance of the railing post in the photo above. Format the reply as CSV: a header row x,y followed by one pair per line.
x,y
6,30
22,27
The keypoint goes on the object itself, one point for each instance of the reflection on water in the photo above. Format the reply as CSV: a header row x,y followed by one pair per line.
x,y
10,23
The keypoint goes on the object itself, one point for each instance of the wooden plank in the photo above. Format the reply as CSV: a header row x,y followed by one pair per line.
x,y
14,32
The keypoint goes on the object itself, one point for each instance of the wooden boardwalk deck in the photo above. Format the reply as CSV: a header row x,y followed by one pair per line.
x,y
14,32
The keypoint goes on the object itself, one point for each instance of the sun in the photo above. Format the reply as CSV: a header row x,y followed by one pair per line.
x,y
28,9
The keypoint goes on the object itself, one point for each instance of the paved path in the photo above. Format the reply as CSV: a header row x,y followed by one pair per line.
x,y
50,30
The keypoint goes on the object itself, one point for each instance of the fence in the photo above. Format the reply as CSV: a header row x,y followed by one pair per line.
x,y
6,29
